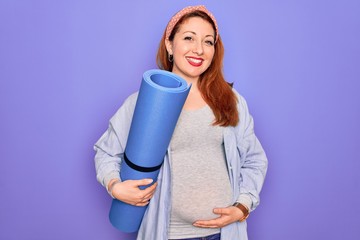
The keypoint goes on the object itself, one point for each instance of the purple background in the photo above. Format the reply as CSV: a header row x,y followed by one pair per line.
x,y
66,66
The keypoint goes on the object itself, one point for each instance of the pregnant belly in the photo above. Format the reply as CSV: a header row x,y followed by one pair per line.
x,y
197,203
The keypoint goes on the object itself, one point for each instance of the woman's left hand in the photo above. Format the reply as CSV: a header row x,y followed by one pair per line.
x,y
227,216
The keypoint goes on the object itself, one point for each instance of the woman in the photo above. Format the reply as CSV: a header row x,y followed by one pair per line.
x,y
214,167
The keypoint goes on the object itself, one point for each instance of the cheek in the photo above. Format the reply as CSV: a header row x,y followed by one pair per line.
x,y
211,54
181,48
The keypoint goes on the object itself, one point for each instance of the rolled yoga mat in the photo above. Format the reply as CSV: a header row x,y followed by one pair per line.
x,y
160,100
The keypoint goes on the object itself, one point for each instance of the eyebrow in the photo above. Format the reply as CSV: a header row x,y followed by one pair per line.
x,y
195,34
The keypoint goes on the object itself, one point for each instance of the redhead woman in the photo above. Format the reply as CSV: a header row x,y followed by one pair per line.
x,y
215,166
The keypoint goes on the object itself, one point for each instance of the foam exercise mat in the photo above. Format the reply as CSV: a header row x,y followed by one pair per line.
x,y
161,97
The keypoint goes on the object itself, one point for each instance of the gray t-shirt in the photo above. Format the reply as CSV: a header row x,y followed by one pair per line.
x,y
200,180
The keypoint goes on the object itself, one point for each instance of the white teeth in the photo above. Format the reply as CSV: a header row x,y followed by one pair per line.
x,y
194,60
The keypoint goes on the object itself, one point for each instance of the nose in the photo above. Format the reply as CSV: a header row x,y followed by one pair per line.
x,y
198,48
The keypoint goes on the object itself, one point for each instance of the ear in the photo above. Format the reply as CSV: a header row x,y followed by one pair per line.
x,y
168,45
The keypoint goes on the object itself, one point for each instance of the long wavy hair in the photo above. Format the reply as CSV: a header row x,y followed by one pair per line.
x,y
217,93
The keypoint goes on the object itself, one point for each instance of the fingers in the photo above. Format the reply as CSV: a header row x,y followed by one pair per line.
x,y
149,192
214,223
226,217
221,211
137,196
142,203
143,182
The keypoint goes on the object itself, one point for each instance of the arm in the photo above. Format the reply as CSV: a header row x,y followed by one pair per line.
x,y
253,167
109,154
254,161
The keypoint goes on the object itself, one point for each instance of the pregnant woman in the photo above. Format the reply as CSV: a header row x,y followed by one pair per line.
x,y
215,166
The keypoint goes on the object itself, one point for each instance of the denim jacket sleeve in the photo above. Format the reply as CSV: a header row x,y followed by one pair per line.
x,y
111,145
253,160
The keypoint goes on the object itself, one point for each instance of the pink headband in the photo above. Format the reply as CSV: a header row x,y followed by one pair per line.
x,y
175,19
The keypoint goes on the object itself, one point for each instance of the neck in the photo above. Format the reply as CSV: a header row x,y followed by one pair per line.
x,y
194,100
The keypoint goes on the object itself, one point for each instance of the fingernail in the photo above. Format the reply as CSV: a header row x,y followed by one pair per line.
x,y
150,180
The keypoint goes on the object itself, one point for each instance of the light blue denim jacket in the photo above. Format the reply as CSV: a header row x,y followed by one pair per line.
x,y
246,162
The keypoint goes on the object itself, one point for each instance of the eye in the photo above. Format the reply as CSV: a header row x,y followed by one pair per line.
x,y
188,38
209,42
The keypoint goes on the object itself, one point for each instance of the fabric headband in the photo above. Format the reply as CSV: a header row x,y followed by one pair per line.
x,y
175,19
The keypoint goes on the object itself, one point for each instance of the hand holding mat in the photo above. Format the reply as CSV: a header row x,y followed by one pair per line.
x,y
160,100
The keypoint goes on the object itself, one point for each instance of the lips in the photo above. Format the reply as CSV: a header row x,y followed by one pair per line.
x,y
196,62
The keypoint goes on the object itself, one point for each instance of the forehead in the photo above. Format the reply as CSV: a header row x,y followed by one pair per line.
x,y
196,24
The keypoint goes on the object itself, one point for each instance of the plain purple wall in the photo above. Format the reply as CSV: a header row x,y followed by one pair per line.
x,y
66,66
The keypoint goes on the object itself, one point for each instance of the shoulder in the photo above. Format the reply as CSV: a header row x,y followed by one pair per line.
x,y
131,100
126,110
242,105
245,117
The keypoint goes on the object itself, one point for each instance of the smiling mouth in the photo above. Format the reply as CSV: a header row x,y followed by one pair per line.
x,y
195,61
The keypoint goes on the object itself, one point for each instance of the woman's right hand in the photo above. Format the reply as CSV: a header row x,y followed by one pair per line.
x,y
129,192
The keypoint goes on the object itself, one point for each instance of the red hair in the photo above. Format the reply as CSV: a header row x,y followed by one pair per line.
x,y
217,93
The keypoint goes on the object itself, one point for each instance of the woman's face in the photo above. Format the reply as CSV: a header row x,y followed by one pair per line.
x,y
192,48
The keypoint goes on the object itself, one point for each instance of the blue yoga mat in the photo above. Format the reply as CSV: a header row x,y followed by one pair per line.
x,y
161,97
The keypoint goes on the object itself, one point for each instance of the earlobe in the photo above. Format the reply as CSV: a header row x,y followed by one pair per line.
x,y
168,46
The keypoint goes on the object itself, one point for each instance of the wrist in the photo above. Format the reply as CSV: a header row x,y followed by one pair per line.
x,y
245,200
111,186
111,176
244,209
